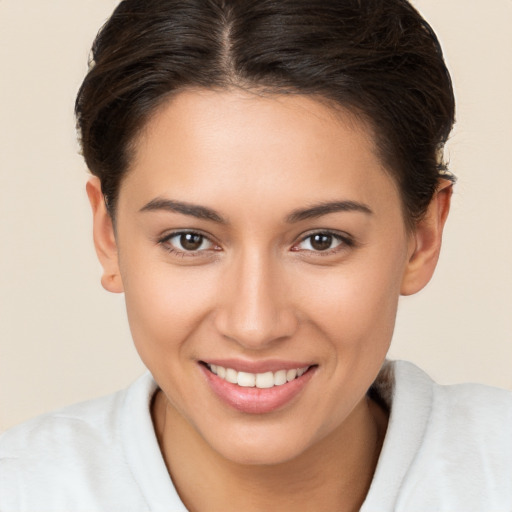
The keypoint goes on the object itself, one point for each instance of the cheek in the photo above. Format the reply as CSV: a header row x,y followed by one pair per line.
x,y
356,305
164,305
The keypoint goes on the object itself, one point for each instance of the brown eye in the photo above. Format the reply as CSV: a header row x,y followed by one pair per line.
x,y
188,242
321,242
191,241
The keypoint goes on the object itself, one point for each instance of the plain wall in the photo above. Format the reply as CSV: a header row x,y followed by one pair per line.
x,y
64,339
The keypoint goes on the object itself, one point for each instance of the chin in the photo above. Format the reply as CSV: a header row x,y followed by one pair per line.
x,y
269,455
262,446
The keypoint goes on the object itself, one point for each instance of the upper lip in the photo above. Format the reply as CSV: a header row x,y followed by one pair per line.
x,y
270,365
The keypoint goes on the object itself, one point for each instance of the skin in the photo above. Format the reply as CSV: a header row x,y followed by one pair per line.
x,y
258,290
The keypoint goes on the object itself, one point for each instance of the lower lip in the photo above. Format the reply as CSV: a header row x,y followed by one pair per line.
x,y
256,400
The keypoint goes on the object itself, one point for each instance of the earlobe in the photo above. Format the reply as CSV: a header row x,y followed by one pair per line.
x,y
104,238
425,243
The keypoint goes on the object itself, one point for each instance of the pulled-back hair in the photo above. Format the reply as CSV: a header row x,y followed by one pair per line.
x,y
379,59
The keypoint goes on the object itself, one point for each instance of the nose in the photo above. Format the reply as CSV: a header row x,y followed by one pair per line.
x,y
256,304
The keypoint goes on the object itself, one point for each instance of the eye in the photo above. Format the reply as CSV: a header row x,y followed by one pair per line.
x,y
323,242
320,242
187,242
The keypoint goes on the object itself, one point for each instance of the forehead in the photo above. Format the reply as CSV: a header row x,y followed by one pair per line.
x,y
220,146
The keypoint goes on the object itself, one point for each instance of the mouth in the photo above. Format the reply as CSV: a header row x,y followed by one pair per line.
x,y
264,380
260,392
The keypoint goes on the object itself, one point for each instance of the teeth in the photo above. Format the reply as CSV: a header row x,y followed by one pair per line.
x,y
280,378
259,380
246,380
291,374
232,376
265,380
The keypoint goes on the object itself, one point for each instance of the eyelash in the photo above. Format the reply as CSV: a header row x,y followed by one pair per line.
x,y
345,241
165,243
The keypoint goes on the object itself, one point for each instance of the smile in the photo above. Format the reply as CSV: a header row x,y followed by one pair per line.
x,y
264,380
270,386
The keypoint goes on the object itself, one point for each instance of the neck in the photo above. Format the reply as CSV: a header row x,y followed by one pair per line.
x,y
334,474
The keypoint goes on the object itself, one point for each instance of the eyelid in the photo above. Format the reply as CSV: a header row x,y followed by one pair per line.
x,y
164,239
346,241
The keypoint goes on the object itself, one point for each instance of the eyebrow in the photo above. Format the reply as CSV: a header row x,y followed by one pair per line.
x,y
321,209
200,212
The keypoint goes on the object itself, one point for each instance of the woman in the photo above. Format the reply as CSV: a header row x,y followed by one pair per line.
x,y
268,179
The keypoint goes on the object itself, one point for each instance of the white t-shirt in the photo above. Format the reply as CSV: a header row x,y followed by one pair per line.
x,y
447,448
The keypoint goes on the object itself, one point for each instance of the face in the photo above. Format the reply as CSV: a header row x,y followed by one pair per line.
x,y
260,241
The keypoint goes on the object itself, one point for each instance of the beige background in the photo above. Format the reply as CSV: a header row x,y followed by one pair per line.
x,y
63,339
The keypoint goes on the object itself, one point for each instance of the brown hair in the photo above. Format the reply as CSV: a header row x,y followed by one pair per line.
x,y
377,58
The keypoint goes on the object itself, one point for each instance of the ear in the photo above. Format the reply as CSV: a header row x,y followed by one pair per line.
x,y
104,238
425,241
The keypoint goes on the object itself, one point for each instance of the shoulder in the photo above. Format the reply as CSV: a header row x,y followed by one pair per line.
x,y
66,452
482,411
470,412
454,443
475,400
78,421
